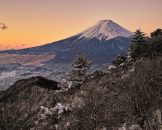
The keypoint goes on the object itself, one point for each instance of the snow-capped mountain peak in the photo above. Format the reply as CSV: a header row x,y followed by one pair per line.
x,y
105,30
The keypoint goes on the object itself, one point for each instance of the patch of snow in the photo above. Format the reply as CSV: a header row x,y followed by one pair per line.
x,y
135,127
104,128
133,69
124,126
122,64
105,30
56,126
45,112
70,84
111,67
59,108
66,85
67,124
78,102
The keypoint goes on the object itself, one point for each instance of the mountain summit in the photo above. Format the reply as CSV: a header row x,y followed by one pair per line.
x,y
105,30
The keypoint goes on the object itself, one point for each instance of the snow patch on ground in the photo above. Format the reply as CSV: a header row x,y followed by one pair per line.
x,y
111,67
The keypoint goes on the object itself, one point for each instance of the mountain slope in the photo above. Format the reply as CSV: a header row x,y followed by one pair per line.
x,y
100,43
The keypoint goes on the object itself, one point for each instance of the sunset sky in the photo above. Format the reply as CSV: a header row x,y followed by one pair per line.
x,y
36,22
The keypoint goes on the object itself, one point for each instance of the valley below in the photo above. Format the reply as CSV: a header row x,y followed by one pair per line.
x,y
14,67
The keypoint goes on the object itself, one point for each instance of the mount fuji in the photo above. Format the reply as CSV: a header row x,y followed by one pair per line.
x,y
100,43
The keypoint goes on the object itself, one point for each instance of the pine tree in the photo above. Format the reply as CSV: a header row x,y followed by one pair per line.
x,y
138,43
156,41
138,37
156,33
80,67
